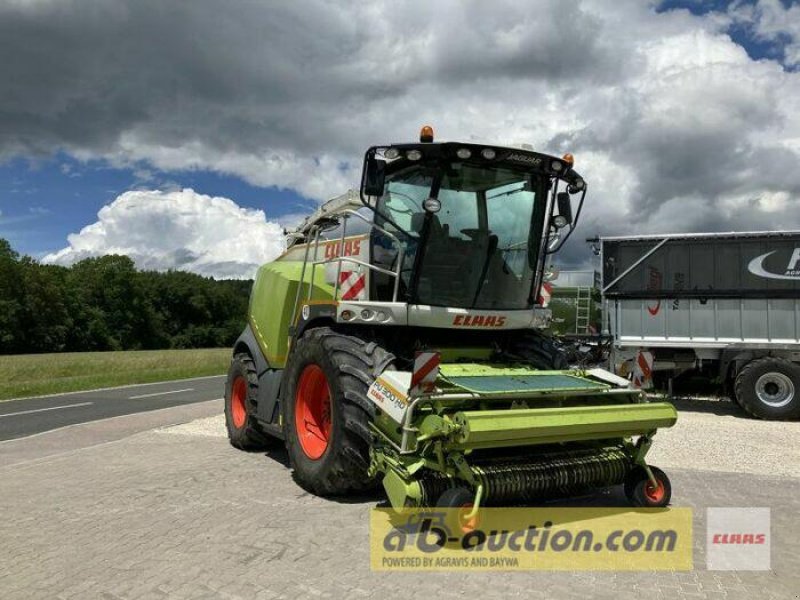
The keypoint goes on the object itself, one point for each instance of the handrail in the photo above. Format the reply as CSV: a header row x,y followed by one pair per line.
x,y
346,214
341,259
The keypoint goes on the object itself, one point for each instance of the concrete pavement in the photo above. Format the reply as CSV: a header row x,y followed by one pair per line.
x,y
178,513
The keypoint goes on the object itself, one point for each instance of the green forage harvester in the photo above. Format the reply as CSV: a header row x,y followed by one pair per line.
x,y
400,339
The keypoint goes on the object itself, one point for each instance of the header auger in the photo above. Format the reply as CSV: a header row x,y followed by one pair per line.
x,y
399,339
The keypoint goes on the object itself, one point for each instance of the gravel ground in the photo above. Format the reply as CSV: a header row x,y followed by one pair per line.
x,y
711,435
210,427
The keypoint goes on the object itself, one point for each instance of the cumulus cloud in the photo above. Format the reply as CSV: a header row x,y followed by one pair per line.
x,y
183,230
675,127
774,22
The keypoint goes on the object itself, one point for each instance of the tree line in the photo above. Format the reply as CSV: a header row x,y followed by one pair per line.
x,y
107,304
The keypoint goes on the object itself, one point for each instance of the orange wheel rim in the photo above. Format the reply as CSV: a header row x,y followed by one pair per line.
x,y
312,412
654,493
238,398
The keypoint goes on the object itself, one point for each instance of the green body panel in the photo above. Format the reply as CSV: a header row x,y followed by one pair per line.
x,y
523,427
272,304
563,304
448,355
400,491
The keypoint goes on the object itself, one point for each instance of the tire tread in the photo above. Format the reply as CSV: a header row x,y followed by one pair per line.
x,y
358,363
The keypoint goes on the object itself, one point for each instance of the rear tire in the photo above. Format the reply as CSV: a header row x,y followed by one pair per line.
x,y
769,388
241,391
539,351
326,412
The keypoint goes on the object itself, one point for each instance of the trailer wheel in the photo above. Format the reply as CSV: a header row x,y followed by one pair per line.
x,y
640,491
730,389
326,412
769,388
241,389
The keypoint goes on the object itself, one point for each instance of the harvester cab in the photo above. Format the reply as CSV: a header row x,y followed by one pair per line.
x,y
400,338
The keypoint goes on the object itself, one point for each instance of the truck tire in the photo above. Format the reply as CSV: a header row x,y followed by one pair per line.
x,y
538,350
326,412
730,388
241,389
769,388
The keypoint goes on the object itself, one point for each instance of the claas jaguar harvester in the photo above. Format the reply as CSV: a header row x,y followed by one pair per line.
x,y
398,340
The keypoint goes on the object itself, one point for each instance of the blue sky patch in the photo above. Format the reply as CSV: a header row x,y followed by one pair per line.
x,y
43,201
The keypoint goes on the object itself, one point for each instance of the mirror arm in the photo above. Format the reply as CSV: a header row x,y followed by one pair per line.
x,y
572,225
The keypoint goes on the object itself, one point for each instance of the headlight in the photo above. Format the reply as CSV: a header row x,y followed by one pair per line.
x,y
432,205
560,221
556,165
463,153
391,153
413,155
488,153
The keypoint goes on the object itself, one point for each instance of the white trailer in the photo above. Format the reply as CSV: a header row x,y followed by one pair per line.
x,y
726,304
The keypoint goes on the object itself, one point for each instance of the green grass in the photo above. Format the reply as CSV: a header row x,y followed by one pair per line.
x,y
38,374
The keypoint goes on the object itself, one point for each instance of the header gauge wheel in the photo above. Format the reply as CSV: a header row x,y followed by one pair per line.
x,y
642,492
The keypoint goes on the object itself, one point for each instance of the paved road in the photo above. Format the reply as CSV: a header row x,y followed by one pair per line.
x,y
20,418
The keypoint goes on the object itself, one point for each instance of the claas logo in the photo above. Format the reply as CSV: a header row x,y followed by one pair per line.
x,y
739,538
479,321
351,248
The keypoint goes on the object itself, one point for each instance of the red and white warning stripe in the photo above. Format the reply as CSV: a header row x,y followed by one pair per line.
x,y
352,285
545,295
643,370
426,370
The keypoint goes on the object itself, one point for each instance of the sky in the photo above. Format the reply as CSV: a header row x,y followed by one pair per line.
x,y
189,134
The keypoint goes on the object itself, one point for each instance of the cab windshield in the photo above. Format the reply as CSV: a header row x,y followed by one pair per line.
x,y
476,247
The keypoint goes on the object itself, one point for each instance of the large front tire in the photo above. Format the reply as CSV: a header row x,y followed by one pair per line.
x,y
326,412
538,350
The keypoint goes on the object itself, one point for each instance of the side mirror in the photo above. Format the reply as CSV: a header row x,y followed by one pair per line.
x,y
374,177
564,207
552,240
